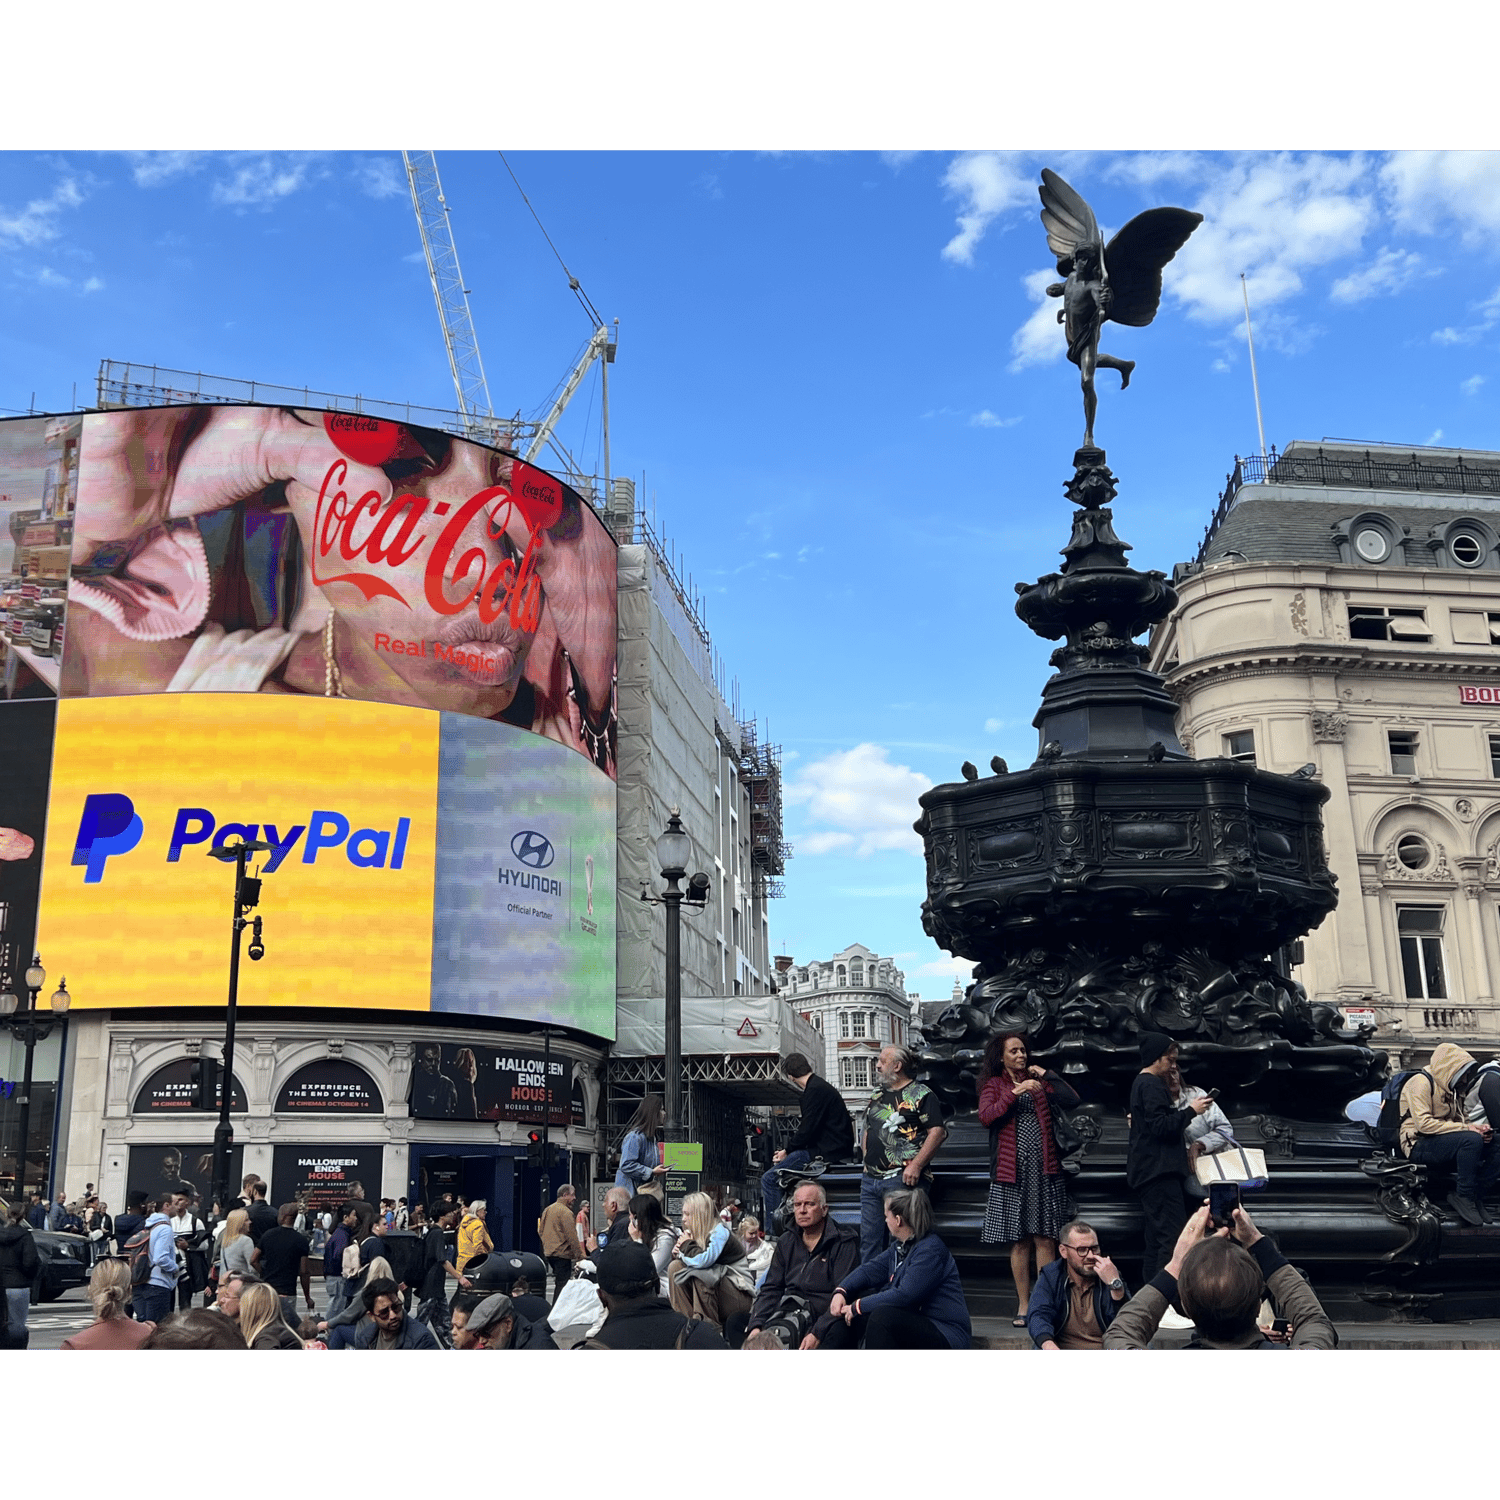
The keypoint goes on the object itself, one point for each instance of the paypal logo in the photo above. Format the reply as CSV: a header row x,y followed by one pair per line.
x,y
109,825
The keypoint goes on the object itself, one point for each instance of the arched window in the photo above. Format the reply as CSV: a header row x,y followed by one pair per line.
x,y
841,976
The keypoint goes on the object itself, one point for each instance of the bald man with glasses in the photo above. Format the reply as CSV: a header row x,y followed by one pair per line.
x,y
1077,1295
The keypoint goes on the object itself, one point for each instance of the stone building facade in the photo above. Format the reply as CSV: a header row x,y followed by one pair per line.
x,y
1343,615
858,1003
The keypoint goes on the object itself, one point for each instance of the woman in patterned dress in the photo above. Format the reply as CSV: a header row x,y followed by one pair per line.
x,y
1028,1202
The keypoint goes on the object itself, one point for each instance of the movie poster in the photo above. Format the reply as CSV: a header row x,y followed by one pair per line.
x,y
326,1176
158,1170
493,1083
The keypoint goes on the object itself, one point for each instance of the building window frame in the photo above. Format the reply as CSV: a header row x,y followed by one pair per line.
x,y
1388,622
1424,965
1239,744
1402,746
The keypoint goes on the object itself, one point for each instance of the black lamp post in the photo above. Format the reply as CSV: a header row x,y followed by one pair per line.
x,y
246,896
29,1027
673,850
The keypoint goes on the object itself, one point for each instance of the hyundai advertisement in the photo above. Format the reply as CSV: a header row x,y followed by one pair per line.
x,y
388,654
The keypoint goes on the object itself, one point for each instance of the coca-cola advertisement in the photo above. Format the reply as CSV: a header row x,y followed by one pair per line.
x,y
263,549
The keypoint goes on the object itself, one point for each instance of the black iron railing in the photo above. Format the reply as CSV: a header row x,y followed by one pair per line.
x,y
1349,468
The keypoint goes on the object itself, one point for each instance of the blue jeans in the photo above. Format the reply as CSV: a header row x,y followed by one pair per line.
x,y
873,1235
338,1298
770,1189
151,1303
1476,1162
17,1304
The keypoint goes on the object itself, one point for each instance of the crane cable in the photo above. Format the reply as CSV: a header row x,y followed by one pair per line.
x,y
573,282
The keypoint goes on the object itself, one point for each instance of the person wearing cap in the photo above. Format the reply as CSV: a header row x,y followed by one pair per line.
x,y
638,1316
1435,1132
1156,1158
496,1324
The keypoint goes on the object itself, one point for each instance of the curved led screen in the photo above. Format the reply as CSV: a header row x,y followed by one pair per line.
x,y
388,652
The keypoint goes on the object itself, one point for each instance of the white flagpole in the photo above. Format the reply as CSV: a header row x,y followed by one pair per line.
x,y
1254,379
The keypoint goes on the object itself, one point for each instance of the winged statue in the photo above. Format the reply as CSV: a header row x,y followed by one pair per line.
x,y
1119,282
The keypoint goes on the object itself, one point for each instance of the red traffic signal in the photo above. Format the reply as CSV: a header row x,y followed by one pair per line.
x,y
535,1137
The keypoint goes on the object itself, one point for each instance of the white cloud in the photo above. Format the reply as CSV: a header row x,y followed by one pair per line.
x,y
870,802
1386,275
378,178
987,418
1487,315
152,168
1430,191
990,183
1273,217
1039,340
895,160
93,284
1433,437
1470,387
1151,168
37,221
260,182
993,726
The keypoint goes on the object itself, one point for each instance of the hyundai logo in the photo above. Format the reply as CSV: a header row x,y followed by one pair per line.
x,y
531,849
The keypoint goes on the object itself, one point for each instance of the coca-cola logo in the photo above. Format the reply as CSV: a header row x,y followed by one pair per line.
x,y
385,533
366,440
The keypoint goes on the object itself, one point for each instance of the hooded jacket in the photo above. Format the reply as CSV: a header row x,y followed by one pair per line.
x,y
1432,1108
19,1260
163,1248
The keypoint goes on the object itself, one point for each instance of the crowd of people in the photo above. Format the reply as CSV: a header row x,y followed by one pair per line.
x,y
716,1278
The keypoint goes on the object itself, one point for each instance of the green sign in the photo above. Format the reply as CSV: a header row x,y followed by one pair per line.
x,y
683,1156
677,1186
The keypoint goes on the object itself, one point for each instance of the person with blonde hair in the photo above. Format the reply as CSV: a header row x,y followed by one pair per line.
x,y
708,1276
341,1328
113,1327
237,1249
261,1319
474,1242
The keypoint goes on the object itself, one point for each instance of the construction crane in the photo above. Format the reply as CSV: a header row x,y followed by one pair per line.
x,y
451,295
452,298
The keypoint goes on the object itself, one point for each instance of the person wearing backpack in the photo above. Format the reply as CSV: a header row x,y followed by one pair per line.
x,y
1433,1130
19,1264
153,1271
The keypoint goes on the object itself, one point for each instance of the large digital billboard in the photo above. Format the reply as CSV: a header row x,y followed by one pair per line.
x,y
388,652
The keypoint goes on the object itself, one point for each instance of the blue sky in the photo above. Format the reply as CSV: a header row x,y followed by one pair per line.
x,y
835,374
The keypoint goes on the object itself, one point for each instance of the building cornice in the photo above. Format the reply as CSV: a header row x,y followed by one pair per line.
x,y
1329,659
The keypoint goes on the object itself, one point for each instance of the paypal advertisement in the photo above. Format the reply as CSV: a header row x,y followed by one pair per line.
x,y
418,861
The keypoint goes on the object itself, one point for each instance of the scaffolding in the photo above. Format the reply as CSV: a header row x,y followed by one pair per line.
x,y
760,771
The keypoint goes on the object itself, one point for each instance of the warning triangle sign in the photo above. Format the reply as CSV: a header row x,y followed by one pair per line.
x,y
747,1028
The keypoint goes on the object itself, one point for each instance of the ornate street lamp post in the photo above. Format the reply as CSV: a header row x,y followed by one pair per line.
x,y
30,1026
673,850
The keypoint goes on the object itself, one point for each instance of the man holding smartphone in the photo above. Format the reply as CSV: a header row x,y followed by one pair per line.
x,y
1156,1159
1220,1277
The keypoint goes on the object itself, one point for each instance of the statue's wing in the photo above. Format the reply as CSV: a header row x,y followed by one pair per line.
x,y
1134,258
1068,220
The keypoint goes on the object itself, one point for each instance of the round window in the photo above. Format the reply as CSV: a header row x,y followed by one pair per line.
x,y
1413,852
1372,544
1467,550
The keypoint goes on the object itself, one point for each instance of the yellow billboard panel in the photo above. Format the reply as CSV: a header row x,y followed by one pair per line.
x,y
134,911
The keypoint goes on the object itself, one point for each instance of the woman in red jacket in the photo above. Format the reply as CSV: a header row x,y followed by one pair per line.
x,y
1028,1201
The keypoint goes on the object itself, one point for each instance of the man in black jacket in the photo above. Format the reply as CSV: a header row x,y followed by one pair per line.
x,y
19,1265
639,1317
810,1264
1156,1159
825,1130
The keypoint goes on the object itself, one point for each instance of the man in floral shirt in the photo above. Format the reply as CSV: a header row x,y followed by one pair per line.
x,y
903,1129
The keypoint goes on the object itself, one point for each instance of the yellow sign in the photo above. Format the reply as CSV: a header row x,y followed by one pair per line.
x,y
143,787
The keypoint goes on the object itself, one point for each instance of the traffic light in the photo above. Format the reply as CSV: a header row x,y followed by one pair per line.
x,y
760,1145
534,1149
204,1077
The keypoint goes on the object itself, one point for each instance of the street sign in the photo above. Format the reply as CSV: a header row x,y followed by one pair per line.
x,y
677,1186
683,1156
747,1028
